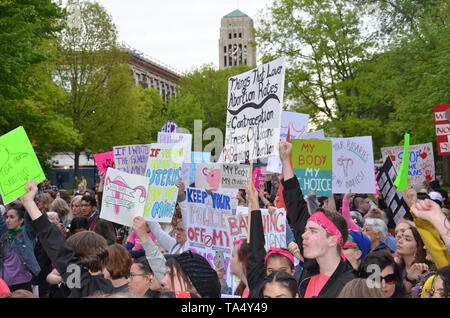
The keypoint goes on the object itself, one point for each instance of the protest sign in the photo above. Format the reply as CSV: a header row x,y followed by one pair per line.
x,y
170,127
254,113
176,138
393,199
353,166
312,165
234,176
296,123
258,177
208,175
274,226
18,164
442,125
164,170
318,134
104,160
205,224
421,161
197,157
124,196
132,158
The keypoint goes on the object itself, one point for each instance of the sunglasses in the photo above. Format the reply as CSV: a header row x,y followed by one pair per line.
x,y
389,279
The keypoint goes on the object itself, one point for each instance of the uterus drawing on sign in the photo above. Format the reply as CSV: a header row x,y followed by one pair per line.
x,y
213,177
346,163
118,193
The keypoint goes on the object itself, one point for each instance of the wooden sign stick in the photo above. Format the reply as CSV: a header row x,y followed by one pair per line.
x,y
249,217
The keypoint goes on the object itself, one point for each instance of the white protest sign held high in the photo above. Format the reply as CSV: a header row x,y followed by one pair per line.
x,y
177,138
235,176
164,171
205,224
421,161
296,123
124,196
274,226
254,108
353,166
131,158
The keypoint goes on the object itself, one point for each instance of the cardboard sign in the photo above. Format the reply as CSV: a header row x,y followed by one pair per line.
x,y
197,157
104,161
176,138
124,196
164,171
421,161
312,164
208,175
442,123
235,176
274,225
18,164
353,166
394,199
132,158
254,106
205,224
296,123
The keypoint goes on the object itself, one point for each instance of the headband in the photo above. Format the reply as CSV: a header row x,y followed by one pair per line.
x,y
280,251
321,219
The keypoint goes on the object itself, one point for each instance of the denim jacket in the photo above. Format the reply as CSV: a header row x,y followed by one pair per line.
x,y
23,244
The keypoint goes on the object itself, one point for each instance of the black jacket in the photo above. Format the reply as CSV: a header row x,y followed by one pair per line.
x,y
255,256
297,214
80,282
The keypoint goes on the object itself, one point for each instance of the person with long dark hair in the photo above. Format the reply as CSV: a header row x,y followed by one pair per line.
x,y
380,269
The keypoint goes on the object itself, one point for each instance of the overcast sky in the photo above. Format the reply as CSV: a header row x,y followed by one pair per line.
x,y
180,33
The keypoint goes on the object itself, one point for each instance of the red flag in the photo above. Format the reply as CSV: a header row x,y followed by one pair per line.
x,y
280,203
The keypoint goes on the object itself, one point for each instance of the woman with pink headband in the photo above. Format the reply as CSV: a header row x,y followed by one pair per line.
x,y
259,264
320,237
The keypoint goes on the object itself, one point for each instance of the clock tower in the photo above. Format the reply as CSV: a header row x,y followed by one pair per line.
x,y
236,31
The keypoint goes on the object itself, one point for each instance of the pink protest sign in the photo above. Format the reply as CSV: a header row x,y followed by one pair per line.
x,y
258,178
104,160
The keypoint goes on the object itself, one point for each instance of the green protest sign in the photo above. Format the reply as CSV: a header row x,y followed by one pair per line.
x,y
18,164
312,165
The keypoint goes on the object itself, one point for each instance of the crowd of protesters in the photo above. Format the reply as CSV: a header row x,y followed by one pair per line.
x,y
55,245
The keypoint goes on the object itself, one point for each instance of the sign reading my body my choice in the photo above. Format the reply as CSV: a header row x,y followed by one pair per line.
x,y
254,113
312,164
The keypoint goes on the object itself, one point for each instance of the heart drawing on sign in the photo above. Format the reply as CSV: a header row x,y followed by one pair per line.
x,y
392,157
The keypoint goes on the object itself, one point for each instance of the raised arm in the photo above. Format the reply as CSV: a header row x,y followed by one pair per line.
x,y
256,250
155,259
346,211
296,206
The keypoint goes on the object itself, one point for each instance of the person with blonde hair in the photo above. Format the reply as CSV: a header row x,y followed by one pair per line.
x,y
359,288
62,208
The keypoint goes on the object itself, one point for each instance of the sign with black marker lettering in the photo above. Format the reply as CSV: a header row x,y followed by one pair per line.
x,y
254,106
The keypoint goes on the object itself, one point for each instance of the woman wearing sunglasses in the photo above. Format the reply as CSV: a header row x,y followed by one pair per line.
x,y
380,268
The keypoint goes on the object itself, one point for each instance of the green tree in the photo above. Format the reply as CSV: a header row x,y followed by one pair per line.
x,y
203,95
325,48
28,97
103,101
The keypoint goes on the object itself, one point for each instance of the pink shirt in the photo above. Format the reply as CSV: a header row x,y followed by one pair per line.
x,y
134,239
315,285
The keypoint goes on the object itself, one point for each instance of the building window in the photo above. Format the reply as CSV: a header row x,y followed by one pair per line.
x,y
240,35
225,60
234,35
225,49
229,35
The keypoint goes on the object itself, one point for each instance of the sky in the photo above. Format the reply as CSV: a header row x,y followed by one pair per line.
x,y
182,34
